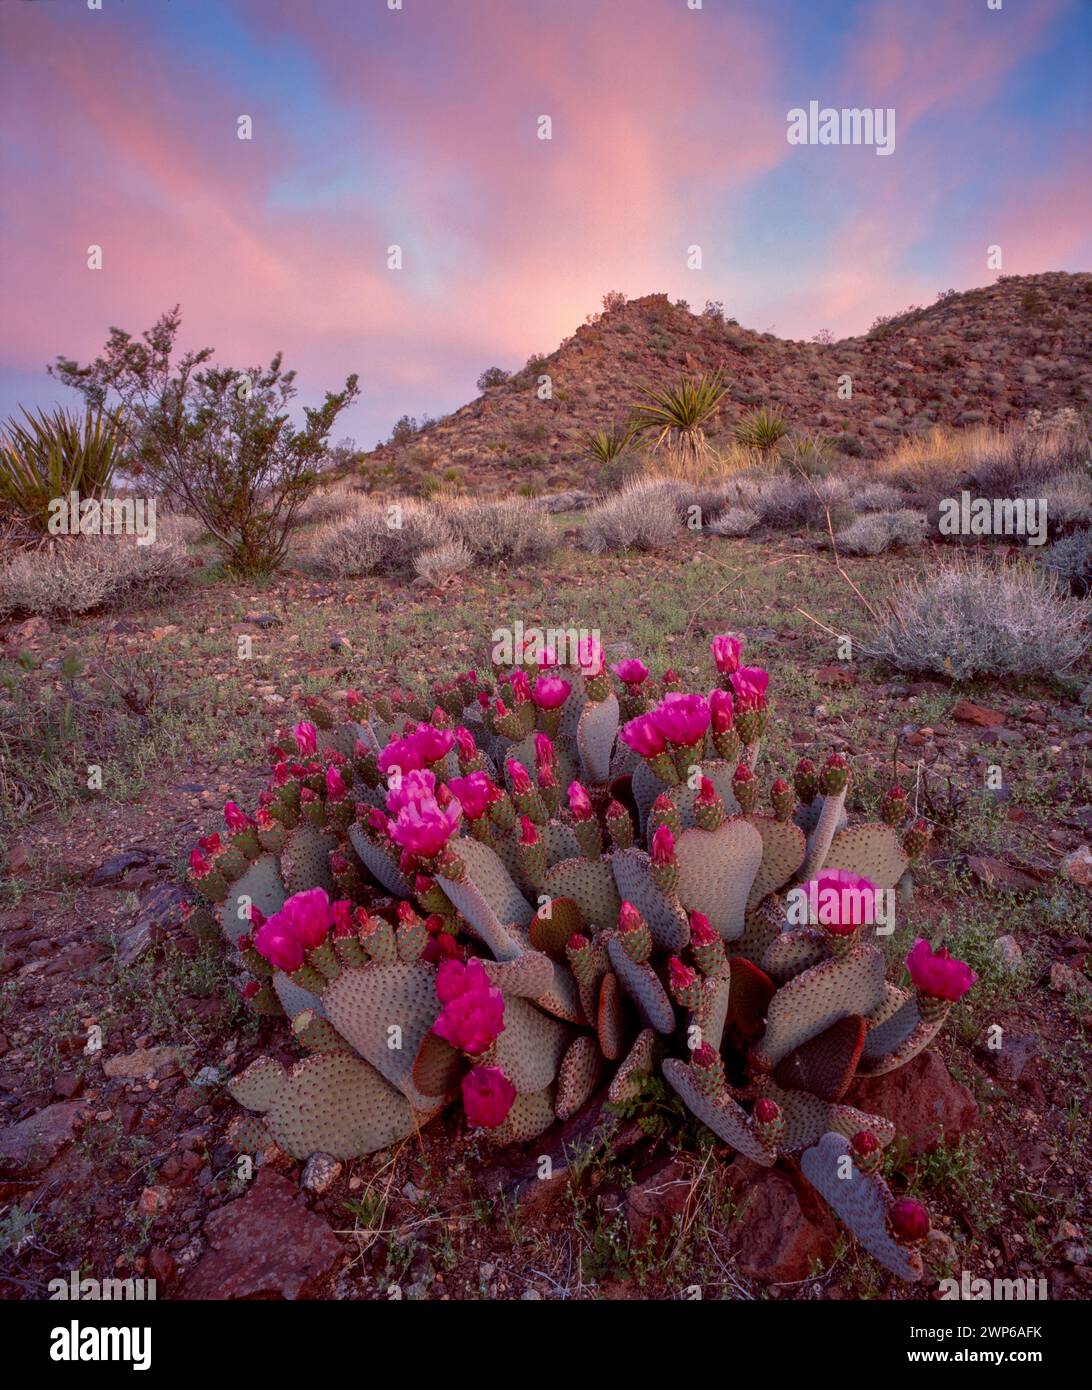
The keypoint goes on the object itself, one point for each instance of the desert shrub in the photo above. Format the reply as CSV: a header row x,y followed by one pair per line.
x,y
492,376
52,455
612,300
508,530
808,454
575,500
82,574
217,441
442,563
789,503
878,531
676,417
378,539
1071,560
976,619
876,497
734,521
762,430
329,504
646,515
1069,502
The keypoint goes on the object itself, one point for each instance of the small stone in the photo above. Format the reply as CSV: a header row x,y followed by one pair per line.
x,y
154,1201
925,1103
1007,953
207,1076
531,1296
147,1062
320,1173
263,620
1063,980
969,713
1077,867
31,1145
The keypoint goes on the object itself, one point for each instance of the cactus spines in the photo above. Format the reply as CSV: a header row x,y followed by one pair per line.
x,y
707,1069
806,780
411,934
783,800
619,825
867,1153
916,838
634,934
532,852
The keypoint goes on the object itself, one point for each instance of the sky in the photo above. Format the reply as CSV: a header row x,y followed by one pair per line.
x,y
419,126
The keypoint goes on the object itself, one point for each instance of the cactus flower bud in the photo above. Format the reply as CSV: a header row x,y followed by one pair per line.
x,y
336,790
684,983
783,800
894,807
835,775
528,835
636,937
579,802
707,1069
631,672
545,752
518,775
464,741
806,780
306,736
707,945
769,1122
521,687
619,825
234,819
745,788
867,1153
909,1221
663,846
916,838
721,711
727,649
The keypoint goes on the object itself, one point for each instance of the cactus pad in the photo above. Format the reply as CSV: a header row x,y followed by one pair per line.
x,y
860,1200
716,870
380,862
553,924
438,1067
794,951
260,885
783,848
642,984
749,999
666,919
531,1115
305,859
831,817
825,1065
595,733
581,1068
809,1003
713,1013
529,975
872,851
726,1117
610,1019
530,1047
637,1063
590,883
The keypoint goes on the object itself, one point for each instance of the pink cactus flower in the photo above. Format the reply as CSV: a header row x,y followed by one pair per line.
x,y
521,687
680,976
545,752
377,821
528,835
280,774
235,819
721,712
707,793
579,802
663,846
682,719
840,901
749,684
938,973
473,1014
424,828
199,865
546,657
342,912
519,777
464,741
488,1096
631,672
400,753
309,915
643,736
475,793
705,1056
417,785
727,650
701,931
279,944
336,790
353,698
306,736
211,844
431,743
629,919
551,692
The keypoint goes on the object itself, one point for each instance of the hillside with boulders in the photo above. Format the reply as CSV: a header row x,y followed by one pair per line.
x,y
984,356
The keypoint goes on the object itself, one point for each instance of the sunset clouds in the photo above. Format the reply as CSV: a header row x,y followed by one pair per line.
x,y
417,127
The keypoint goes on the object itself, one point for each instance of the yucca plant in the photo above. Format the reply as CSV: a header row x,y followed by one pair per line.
x,y
762,431
678,414
606,446
55,454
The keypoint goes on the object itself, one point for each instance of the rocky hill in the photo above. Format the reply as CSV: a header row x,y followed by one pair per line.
x,y
984,356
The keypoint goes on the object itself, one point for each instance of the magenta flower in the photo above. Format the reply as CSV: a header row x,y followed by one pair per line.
x,y
589,656
309,916
749,684
663,846
680,976
545,753
521,781
551,692
579,802
631,672
939,973
306,736
431,743
721,712
199,865
280,774
488,1096
629,919
336,790
279,944
840,901
466,745
475,793
521,687
909,1220
726,649
234,819
643,736
528,835
682,719
400,754
423,828
701,931
416,785
473,1012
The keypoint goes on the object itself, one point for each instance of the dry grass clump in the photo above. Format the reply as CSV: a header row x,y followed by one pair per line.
x,y
379,538
80,574
977,619
332,503
440,565
646,515
1071,560
734,521
508,530
879,531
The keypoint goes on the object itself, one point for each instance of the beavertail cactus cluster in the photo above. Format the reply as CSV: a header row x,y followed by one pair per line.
x,y
559,881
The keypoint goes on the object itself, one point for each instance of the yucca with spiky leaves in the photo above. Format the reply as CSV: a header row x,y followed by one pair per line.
x,y
607,446
762,431
55,454
678,415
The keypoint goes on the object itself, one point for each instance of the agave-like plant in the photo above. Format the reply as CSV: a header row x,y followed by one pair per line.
x,y
678,415
607,446
762,430
54,454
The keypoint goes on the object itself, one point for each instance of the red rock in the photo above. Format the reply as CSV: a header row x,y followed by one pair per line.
x,y
657,1197
969,713
783,1234
32,1144
265,1245
923,1101
834,675
995,873
163,1266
